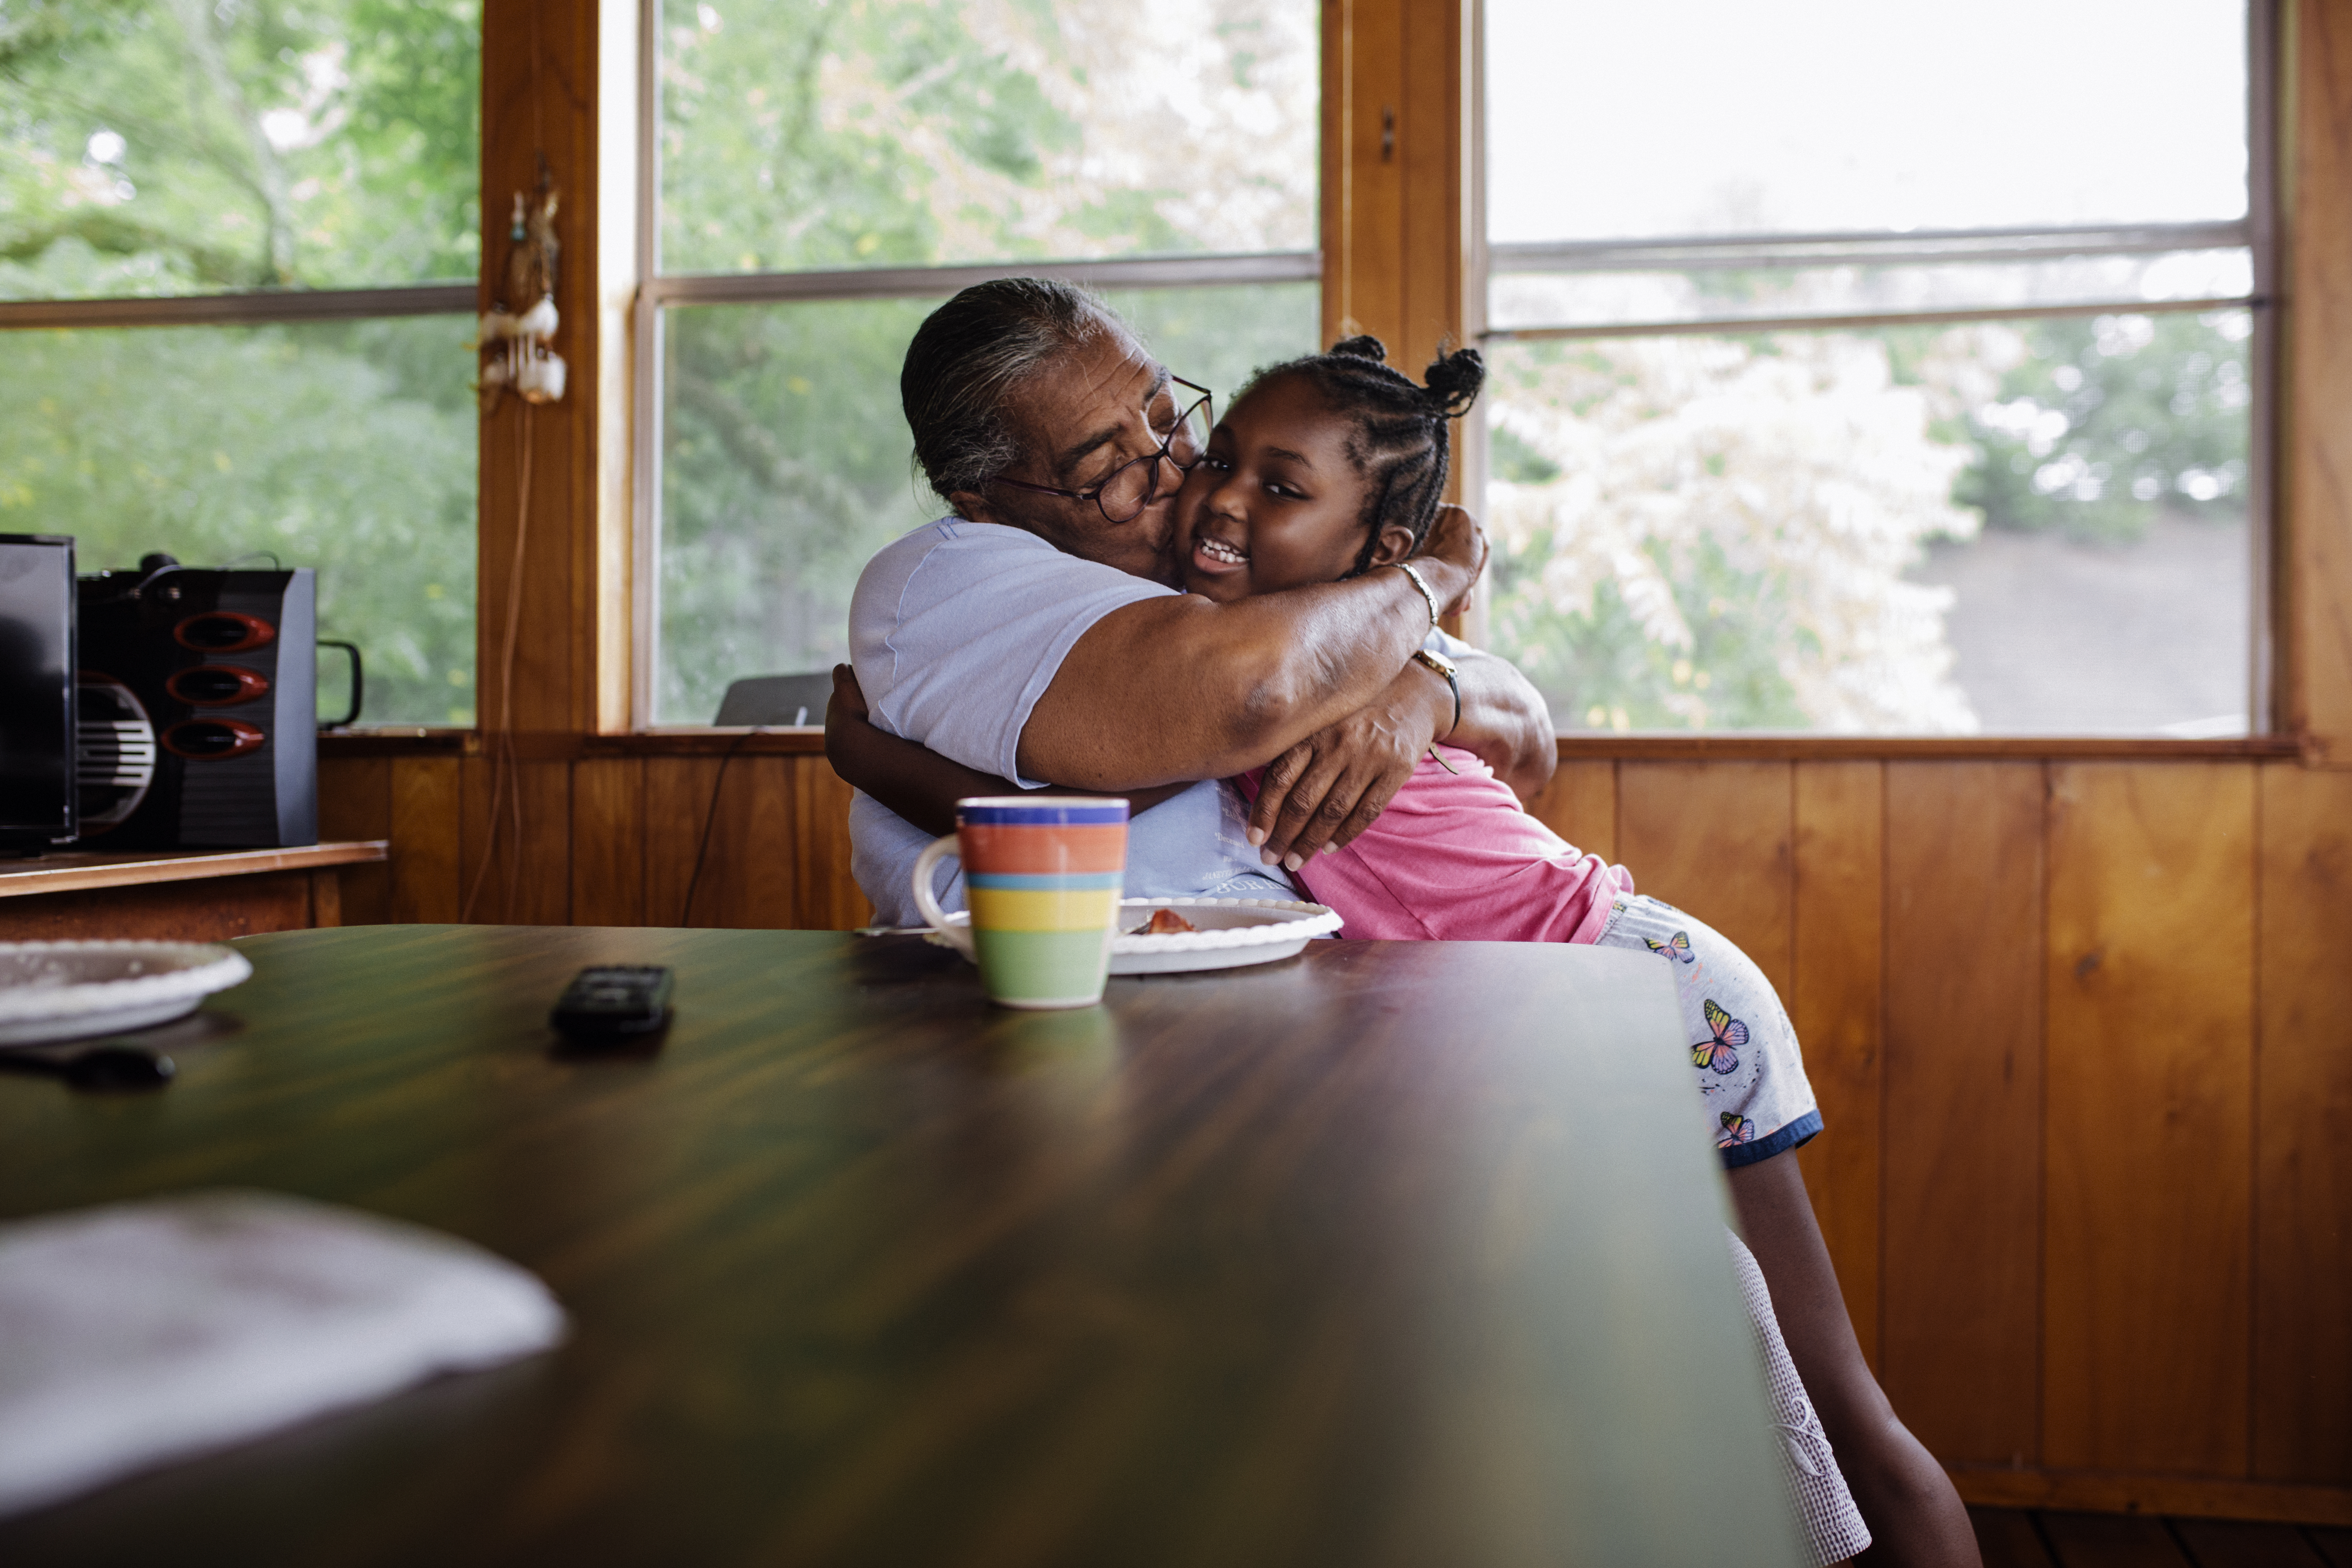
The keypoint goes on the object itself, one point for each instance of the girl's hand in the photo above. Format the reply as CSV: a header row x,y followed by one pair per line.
x,y
848,696
1455,539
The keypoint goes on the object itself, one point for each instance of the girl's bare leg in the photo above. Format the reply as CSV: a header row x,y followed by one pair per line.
x,y
1914,1516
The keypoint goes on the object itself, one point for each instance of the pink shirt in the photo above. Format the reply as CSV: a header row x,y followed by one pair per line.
x,y
1454,859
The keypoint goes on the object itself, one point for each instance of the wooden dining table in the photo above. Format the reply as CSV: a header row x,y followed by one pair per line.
x,y
1387,1253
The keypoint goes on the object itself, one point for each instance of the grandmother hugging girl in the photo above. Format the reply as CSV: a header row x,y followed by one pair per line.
x,y
1333,465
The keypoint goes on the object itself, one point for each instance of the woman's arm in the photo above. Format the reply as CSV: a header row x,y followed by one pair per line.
x,y
1323,791
917,783
1177,687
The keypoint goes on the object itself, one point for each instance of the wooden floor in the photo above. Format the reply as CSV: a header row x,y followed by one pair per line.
x,y
2016,1538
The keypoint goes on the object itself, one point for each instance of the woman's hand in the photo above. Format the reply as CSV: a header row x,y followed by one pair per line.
x,y
1327,789
1330,787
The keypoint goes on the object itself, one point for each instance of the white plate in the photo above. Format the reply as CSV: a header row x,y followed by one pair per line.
x,y
65,990
1234,932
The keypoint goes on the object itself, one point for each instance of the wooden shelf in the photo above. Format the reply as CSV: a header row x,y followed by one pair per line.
x,y
69,873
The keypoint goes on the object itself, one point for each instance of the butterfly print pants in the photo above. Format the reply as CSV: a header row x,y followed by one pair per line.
x,y
1743,1058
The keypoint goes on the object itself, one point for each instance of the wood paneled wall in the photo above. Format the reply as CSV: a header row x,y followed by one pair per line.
x,y
600,840
2086,1173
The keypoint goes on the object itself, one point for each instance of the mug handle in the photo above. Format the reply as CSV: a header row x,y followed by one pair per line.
x,y
959,937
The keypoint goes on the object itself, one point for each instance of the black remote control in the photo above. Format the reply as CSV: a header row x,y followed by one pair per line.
x,y
612,1003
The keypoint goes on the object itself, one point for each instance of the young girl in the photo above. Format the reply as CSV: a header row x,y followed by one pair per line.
x,y
1333,465
1329,467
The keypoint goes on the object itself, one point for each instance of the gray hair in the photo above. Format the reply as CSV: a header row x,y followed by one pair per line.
x,y
968,358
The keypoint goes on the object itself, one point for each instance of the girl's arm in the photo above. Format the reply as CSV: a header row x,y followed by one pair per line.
x,y
917,783
1506,723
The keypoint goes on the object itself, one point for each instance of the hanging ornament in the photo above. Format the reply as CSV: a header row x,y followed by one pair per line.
x,y
517,329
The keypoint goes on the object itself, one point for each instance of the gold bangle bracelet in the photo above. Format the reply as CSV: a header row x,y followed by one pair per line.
x,y
1427,597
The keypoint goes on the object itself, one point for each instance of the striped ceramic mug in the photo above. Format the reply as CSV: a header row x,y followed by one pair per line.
x,y
1042,877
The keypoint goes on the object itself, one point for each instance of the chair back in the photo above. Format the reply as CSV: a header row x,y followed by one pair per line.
x,y
773,700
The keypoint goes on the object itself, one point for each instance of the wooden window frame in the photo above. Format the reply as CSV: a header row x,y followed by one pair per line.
x,y
1401,242
1401,255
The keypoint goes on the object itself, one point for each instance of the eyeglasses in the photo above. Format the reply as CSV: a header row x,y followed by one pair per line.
x,y
1131,486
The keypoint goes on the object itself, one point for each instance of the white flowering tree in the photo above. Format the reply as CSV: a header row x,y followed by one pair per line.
x,y
1712,532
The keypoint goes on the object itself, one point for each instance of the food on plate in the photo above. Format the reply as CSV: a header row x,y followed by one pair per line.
x,y
1163,923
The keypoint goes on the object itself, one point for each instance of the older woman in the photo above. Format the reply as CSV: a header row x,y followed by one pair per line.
x,y
1034,634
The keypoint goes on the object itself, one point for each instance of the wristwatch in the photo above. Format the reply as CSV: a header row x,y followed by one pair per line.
x,y
1450,671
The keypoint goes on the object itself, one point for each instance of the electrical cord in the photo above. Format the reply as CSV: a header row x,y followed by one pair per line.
x,y
231,565
139,587
504,788
709,819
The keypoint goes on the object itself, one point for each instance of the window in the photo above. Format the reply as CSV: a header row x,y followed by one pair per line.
x,y
828,173
237,246
1878,369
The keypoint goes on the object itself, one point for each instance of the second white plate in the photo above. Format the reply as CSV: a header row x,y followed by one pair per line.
x,y
1233,933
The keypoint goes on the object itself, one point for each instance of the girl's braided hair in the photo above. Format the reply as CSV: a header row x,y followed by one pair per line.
x,y
1398,438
